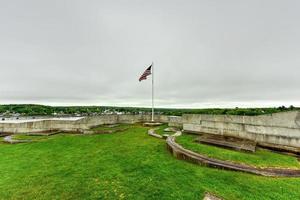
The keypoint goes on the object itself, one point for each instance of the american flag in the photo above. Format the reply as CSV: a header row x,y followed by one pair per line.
x,y
146,73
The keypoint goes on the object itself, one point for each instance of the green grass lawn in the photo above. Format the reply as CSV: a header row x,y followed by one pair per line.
x,y
161,128
31,137
261,158
111,127
125,165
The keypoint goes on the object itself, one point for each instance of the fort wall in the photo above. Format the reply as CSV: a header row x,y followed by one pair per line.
x,y
278,128
45,125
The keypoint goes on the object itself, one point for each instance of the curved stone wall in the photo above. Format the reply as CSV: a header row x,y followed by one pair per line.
x,y
276,129
181,153
78,125
279,128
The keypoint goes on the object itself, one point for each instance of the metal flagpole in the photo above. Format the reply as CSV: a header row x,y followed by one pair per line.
x,y
152,92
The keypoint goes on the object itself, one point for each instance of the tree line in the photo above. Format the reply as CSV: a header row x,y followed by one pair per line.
x,y
40,110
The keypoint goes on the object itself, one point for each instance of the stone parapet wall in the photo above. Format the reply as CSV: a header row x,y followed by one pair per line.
x,y
175,121
44,125
39,126
278,128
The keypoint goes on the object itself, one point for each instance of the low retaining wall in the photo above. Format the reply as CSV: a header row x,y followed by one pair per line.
x,y
181,153
45,125
279,128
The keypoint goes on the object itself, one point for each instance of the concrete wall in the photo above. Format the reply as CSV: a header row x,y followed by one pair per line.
x,y
278,128
75,125
40,126
175,121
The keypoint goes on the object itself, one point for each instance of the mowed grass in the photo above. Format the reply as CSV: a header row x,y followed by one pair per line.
x,y
125,165
111,127
160,130
31,137
261,158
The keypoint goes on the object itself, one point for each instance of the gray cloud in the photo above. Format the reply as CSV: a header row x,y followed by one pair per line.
x,y
206,53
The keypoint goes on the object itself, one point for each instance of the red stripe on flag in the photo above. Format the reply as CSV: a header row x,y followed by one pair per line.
x,y
146,73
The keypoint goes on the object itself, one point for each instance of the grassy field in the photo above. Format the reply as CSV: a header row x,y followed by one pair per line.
x,y
125,165
261,158
31,137
160,129
111,127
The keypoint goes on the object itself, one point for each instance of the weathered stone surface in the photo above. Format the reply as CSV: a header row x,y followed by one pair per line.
x,y
209,196
152,124
279,128
227,142
181,153
175,121
46,133
9,139
151,132
165,136
170,129
178,133
75,125
279,148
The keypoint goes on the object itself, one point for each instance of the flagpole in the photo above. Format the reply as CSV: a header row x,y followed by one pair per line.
x,y
152,92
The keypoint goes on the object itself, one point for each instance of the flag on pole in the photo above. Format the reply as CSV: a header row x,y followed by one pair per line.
x,y
146,73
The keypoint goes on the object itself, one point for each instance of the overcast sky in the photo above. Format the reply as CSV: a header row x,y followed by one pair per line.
x,y
206,53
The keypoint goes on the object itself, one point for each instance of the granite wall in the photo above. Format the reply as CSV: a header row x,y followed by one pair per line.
x,y
278,128
45,125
